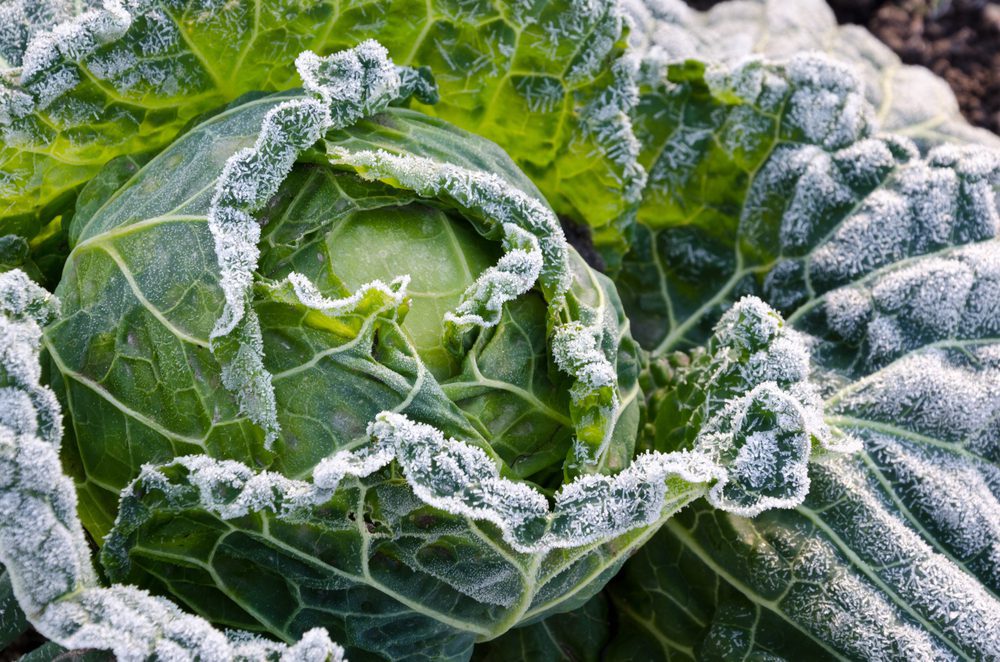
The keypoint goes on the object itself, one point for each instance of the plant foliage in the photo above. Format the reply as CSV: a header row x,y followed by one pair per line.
x,y
318,364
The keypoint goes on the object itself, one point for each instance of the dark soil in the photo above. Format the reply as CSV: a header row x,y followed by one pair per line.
x,y
579,237
958,40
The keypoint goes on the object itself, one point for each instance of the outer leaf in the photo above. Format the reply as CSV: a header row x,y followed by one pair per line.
x,y
671,606
42,544
577,636
890,264
766,179
908,100
12,620
542,80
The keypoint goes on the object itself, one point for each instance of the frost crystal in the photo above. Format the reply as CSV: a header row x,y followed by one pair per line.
x,y
535,250
528,226
455,477
908,99
751,454
952,294
43,77
348,86
22,20
43,546
746,403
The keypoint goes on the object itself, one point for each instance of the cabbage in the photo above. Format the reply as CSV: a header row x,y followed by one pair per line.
x,y
321,376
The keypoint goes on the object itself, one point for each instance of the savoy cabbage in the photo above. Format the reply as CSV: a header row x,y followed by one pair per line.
x,y
298,364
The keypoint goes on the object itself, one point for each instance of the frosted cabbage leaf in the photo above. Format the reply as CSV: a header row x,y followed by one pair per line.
x,y
543,80
888,265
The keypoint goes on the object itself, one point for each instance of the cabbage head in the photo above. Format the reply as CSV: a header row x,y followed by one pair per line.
x,y
399,277
328,363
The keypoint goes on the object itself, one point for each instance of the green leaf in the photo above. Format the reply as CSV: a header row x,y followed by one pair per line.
x,y
670,605
888,264
58,588
12,620
767,179
543,80
908,100
576,636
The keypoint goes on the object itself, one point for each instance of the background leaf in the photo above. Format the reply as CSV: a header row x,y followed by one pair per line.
x,y
907,100
890,264
540,79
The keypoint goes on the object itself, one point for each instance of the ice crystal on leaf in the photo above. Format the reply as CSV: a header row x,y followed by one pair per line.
x,y
328,341
105,79
746,402
43,546
907,99
753,453
348,85
535,249
461,479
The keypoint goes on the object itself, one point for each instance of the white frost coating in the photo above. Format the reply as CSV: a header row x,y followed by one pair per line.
x,y
493,196
22,300
928,205
959,495
749,457
348,86
535,250
461,479
863,208
607,119
43,546
755,412
310,297
952,395
909,99
21,20
513,275
72,41
576,350
832,600
953,294
922,581
761,407
826,103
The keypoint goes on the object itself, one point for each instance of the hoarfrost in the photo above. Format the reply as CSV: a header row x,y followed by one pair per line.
x,y
760,416
526,223
535,249
908,99
954,294
462,479
749,456
303,290
923,582
347,85
948,394
43,75
21,20
43,546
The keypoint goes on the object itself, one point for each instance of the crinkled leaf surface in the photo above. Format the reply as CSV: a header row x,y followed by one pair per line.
x,y
889,263
769,179
908,100
538,78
